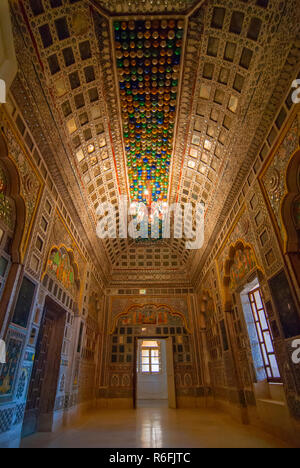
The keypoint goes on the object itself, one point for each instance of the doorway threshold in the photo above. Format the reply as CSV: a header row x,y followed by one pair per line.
x,y
152,404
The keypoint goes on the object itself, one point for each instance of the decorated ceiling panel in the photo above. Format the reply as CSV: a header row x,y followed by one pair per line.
x,y
141,7
148,57
153,107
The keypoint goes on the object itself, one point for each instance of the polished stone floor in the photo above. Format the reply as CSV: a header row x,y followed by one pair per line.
x,y
150,427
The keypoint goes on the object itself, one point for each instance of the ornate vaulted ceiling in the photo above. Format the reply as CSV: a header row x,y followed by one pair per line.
x,y
163,99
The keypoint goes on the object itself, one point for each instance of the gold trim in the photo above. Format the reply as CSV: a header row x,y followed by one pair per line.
x,y
280,138
281,241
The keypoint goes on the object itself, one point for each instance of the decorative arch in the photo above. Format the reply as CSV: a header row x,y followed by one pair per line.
x,y
290,212
157,309
61,264
13,191
240,264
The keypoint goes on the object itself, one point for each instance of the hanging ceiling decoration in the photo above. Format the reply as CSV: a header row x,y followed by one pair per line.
x,y
148,55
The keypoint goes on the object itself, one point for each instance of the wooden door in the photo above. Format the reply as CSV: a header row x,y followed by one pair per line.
x,y
45,373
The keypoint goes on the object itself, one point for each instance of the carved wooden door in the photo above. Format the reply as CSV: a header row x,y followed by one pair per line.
x,y
45,373
30,424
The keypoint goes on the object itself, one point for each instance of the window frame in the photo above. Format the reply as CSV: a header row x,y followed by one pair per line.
x,y
261,331
150,350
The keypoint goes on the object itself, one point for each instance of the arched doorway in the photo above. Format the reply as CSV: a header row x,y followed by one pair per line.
x,y
149,322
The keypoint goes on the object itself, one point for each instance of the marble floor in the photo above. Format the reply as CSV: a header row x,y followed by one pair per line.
x,y
152,404
150,427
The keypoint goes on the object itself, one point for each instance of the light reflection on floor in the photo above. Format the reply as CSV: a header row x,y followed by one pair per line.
x,y
151,427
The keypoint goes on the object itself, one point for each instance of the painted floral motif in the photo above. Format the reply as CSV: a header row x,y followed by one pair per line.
x,y
150,316
93,307
244,263
59,265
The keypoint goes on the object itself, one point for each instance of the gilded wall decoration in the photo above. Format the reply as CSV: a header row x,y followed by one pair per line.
x,y
31,185
265,240
274,178
138,317
151,314
60,235
7,209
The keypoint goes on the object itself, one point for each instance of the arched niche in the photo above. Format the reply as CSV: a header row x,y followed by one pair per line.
x,y
62,267
11,191
290,212
240,268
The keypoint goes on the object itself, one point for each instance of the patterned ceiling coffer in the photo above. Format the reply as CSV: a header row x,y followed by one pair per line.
x,y
148,57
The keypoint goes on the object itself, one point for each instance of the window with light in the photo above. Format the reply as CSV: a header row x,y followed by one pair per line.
x,y
150,357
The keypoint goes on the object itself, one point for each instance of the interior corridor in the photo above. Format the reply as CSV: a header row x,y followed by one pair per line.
x,y
149,223
156,428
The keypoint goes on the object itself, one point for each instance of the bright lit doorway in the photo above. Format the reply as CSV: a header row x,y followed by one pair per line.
x,y
155,386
